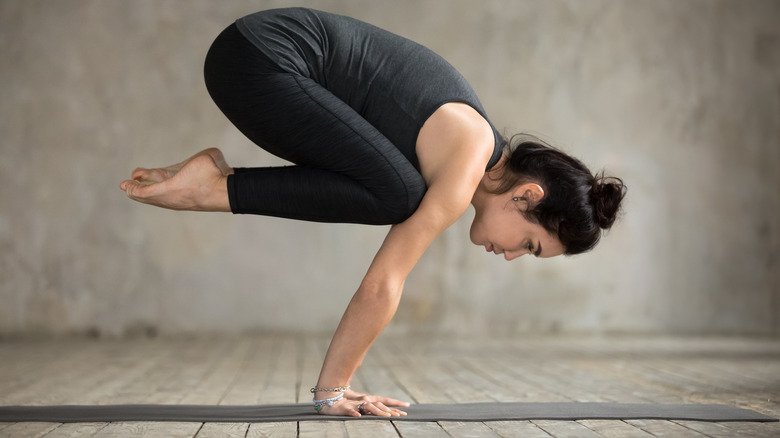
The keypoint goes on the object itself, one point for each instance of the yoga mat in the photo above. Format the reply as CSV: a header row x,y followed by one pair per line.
x,y
416,412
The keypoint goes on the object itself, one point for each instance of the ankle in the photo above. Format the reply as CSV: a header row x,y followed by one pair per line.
x,y
217,199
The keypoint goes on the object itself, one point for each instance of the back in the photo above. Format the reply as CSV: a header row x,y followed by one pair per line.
x,y
391,81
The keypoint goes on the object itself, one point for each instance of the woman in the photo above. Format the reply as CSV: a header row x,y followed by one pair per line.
x,y
382,131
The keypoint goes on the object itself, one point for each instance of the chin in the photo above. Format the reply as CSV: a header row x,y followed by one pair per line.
x,y
471,235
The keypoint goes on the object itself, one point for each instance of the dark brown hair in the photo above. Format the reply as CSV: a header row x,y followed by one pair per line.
x,y
576,205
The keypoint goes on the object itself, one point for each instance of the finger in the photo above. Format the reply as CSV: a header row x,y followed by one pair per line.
x,y
376,410
393,402
392,411
382,406
352,412
397,411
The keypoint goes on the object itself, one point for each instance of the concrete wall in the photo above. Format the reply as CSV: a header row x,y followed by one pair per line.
x,y
680,98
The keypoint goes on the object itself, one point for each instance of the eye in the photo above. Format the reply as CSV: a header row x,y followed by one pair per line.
x,y
530,247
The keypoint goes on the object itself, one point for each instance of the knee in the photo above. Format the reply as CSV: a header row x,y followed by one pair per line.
x,y
404,201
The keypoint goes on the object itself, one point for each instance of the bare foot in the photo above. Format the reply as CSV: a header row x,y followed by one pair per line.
x,y
160,174
196,184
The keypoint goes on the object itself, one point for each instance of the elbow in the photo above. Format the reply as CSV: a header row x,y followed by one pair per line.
x,y
384,290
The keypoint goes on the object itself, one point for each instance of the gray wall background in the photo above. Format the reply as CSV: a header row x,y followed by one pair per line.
x,y
680,98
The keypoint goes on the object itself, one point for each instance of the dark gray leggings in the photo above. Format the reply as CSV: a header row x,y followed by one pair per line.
x,y
345,169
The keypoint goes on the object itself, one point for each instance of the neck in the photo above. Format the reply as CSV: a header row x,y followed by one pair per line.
x,y
489,180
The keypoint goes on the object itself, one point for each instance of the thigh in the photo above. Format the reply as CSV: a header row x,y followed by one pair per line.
x,y
295,118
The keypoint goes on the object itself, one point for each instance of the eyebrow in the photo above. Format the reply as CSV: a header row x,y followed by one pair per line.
x,y
538,250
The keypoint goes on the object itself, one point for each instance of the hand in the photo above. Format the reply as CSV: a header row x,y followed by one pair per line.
x,y
372,405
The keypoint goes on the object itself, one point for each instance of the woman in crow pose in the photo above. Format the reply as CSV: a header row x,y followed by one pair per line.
x,y
383,131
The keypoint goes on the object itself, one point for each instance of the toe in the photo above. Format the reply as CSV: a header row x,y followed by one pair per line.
x,y
139,172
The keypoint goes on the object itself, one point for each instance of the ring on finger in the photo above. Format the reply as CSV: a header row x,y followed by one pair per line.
x,y
360,409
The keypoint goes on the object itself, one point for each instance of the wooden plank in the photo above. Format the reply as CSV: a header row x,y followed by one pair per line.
x,y
734,385
249,383
74,430
123,429
166,362
751,428
28,429
89,375
321,428
665,428
312,355
453,389
567,381
284,429
372,428
58,372
419,429
470,429
519,429
432,370
221,429
216,384
130,364
511,377
375,378
217,381
624,386
144,356
282,383
24,362
191,368
415,382
168,383
612,428
715,430
565,429
252,378
269,349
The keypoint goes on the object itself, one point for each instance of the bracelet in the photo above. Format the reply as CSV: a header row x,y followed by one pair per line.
x,y
337,389
328,401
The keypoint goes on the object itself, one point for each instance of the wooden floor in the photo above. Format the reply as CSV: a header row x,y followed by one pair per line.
x,y
260,369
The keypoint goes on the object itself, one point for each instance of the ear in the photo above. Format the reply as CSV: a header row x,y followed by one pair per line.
x,y
528,194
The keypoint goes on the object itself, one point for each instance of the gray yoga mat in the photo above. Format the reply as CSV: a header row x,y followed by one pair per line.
x,y
416,412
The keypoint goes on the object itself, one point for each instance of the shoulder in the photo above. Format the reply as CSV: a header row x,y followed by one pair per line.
x,y
454,135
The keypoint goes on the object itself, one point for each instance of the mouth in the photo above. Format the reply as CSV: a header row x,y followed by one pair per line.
x,y
492,248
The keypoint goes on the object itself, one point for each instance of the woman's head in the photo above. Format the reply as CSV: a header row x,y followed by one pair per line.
x,y
537,195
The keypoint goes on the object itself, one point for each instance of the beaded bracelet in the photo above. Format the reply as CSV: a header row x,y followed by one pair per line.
x,y
337,389
328,401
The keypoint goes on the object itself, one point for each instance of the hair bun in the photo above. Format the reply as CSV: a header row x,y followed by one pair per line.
x,y
606,195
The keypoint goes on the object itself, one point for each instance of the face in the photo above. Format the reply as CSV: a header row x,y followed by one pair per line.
x,y
500,227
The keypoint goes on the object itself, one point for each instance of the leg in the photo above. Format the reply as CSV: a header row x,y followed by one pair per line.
x,y
346,170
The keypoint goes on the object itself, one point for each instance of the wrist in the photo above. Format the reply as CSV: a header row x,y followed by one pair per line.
x,y
330,401
321,395
327,391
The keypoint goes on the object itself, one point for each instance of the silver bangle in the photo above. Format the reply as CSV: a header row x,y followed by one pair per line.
x,y
336,389
328,401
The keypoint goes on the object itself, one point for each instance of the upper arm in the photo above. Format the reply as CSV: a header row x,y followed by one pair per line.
x,y
446,199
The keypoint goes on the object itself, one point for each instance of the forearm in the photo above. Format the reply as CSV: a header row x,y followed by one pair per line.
x,y
369,311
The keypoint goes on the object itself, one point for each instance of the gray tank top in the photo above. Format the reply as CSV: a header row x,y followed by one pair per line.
x,y
393,82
